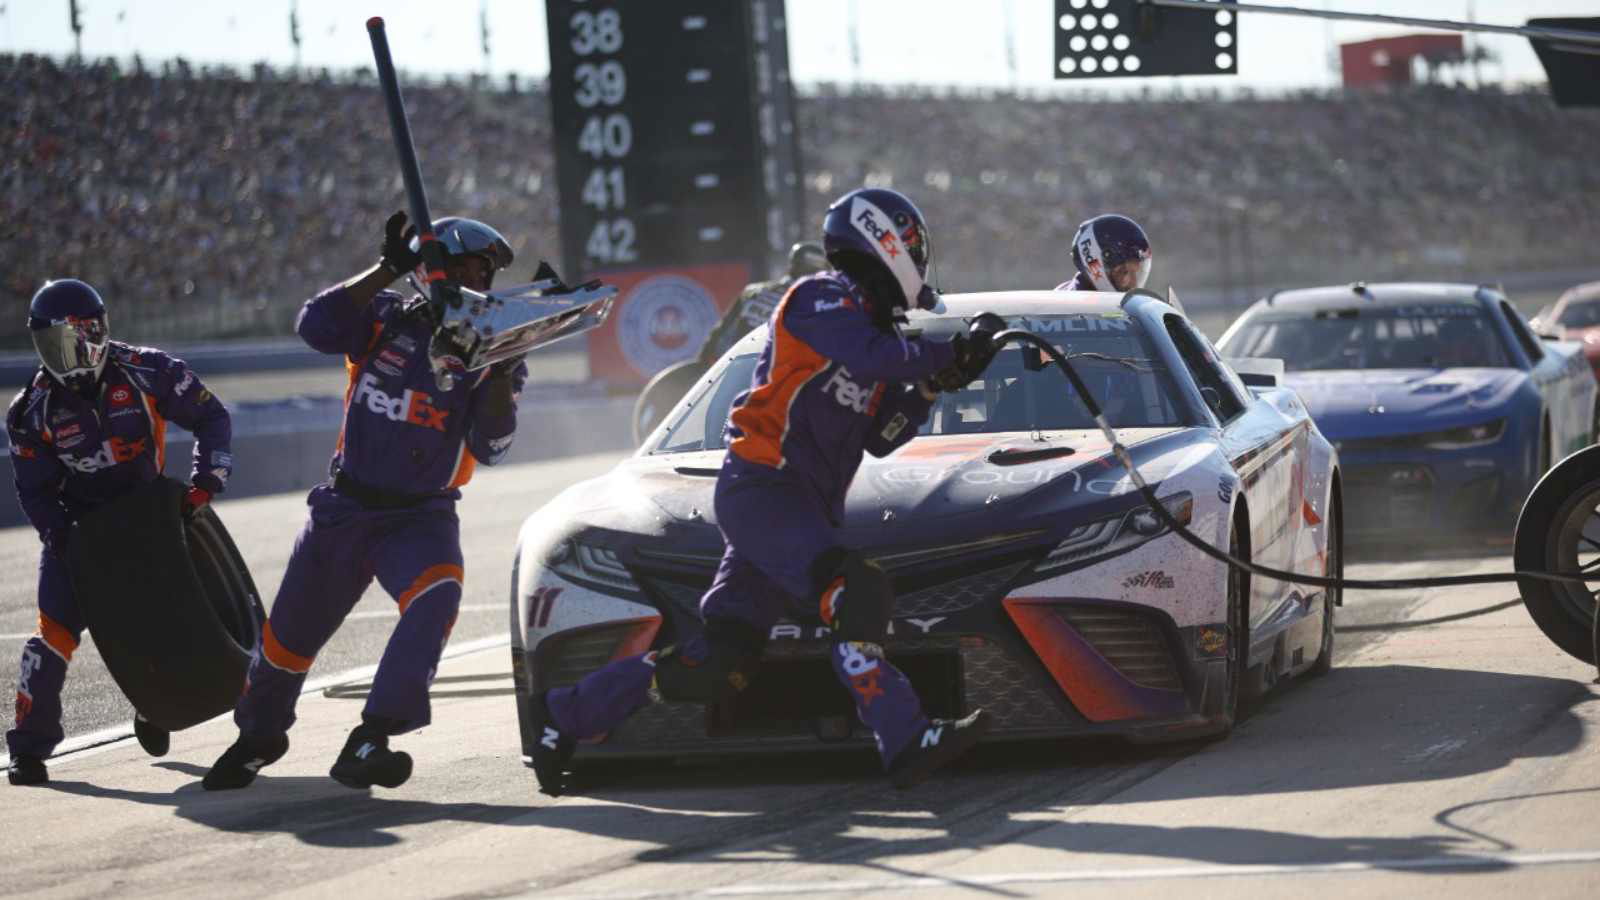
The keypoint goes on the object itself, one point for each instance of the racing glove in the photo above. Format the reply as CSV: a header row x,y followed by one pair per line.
x,y
194,499
396,254
974,351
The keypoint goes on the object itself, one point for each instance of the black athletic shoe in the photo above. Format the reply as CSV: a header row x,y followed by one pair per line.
x,y
27,770
552,750
941,742
155,740
239,764
366,760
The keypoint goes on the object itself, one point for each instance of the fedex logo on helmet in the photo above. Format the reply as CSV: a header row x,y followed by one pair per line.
x,y
867,220
111,452
851,395
412,407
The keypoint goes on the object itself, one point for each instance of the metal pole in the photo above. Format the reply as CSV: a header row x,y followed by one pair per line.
x,y
1527,31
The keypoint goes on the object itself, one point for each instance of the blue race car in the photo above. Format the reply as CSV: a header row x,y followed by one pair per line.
x,y
1443,405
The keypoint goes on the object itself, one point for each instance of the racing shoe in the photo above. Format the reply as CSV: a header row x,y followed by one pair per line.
x,y
366,760
239,764
941,742
552,752
155,740
27,770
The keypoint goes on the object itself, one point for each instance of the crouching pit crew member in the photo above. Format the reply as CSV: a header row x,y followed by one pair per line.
x,y
387,512
835,379
89,428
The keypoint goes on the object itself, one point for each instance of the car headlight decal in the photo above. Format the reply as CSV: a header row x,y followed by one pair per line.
x,y
587,562
1120,532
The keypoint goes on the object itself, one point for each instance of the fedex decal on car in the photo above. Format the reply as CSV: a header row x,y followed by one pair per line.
x,y
412,407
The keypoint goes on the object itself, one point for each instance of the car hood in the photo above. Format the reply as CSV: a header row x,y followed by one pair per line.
x,y
924,485
1359,403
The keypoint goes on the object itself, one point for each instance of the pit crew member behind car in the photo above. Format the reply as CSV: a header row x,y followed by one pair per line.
x,y
835,379
1111,253
88,428
387,512
754,305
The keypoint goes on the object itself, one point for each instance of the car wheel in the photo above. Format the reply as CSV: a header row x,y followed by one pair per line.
x,y
1333,567
1594,423
1559,530
1233,706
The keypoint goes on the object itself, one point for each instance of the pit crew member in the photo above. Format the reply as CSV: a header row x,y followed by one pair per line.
x,y
1111,253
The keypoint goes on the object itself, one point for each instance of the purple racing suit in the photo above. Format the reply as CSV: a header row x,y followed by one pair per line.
x,y
70,455
829,387
387,513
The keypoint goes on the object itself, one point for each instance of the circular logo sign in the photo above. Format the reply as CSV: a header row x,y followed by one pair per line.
x,y
663,320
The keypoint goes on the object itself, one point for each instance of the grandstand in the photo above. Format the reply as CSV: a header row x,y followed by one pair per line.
x,y
209,202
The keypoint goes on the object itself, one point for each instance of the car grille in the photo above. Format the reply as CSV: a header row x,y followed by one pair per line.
x,y
1389,497
1129,640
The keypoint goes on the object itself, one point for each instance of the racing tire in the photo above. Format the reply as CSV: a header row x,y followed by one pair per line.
x,y
662,393
169,602
1234,707
1332,568
1561,513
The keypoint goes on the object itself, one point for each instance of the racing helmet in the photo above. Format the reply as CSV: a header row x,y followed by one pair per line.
x,y
807,258
468,237
67,320
879,239
1112,253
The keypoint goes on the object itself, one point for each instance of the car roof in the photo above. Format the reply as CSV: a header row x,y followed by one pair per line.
x,y
1346,296
1033,303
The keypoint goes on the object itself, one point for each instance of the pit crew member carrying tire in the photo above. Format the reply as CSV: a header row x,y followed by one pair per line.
x,y
1111,253
88,429
387,512
835,379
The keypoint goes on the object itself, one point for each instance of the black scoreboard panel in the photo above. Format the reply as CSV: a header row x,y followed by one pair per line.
x,y
662,159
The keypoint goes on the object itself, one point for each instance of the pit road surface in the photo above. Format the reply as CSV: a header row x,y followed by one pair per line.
x,y
1449,758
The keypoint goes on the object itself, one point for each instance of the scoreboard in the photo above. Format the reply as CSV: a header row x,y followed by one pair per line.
x,y
677,164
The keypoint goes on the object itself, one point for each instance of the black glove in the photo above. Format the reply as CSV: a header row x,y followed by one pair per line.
x,y
974,351
396,254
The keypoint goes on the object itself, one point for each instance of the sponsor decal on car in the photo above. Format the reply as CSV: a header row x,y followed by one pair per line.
x,y
541,604
1211,641
1154,579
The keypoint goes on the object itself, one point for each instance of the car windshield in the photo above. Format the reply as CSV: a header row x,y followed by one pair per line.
x,y
1581,314
1111,353
1420,336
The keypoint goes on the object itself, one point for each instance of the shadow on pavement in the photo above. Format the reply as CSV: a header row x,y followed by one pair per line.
x,y
359,690
317,811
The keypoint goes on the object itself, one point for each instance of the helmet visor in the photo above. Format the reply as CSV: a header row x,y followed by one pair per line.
x,y
1130,274
74,346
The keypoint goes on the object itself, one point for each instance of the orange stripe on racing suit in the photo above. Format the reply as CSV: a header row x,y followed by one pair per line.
x,y
281,656
764,417
352,369
431,577
158,431
57,637
464,467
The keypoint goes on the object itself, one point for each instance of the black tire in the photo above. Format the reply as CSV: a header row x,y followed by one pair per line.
x,y
1558,512
1334,568
1594,423
169,602
661,394
1233,701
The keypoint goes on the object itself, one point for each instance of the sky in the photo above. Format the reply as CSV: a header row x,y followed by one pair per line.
x,y
929,42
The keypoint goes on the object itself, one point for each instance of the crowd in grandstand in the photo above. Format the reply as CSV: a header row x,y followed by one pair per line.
x,y
219,198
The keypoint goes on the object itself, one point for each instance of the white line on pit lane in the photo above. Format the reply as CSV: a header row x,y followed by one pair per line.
x,y
1466,862
80,746
364,614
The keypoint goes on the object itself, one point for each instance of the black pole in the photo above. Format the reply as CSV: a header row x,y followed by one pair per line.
x,y
440,291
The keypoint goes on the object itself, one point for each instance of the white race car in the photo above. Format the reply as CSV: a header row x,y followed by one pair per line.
x,y
1031,580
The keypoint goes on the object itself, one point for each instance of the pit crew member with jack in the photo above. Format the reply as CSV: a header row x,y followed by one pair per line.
x,y
835,379
388,510
90,427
